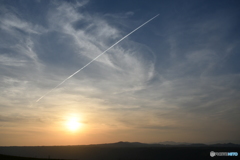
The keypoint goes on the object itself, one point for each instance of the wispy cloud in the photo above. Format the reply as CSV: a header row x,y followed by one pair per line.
x,y
125,68
12,24
177,75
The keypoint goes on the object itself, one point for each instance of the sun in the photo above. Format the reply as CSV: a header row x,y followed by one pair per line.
x,y
73,124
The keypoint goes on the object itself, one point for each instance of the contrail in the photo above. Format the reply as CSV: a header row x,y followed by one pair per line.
x,y
96,57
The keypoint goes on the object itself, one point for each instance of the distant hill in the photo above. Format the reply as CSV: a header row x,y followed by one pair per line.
x,y
173,143
164,144
124,144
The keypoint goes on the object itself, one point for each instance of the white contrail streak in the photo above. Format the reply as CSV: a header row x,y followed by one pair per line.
x,y
97,57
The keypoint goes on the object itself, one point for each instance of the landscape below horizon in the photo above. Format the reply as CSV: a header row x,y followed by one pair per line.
x,y
119,151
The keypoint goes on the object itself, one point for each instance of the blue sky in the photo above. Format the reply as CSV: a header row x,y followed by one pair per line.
x,y
175,79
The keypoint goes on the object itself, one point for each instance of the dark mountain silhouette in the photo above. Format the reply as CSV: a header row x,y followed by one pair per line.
x,y
124,144
164,144
174,143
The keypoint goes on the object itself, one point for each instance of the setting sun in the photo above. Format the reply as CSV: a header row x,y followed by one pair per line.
x,y
73,124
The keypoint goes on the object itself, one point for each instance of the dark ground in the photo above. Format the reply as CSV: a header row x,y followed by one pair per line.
x,y
7,157
104,152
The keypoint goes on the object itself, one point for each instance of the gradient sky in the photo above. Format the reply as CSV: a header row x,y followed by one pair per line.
x,y
175,79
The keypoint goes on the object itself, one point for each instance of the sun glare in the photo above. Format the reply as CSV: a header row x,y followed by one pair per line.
x,y
73,124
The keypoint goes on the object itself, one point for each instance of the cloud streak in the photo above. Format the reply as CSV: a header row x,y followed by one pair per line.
x,y
97,57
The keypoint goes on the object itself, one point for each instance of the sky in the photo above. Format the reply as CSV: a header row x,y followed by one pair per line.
x,y
175,79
